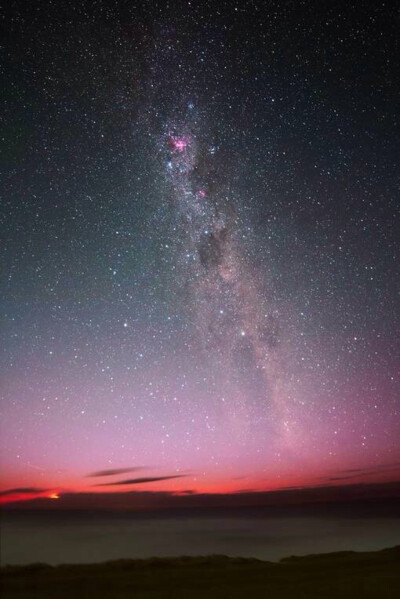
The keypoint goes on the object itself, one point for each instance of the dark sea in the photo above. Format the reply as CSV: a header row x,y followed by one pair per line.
x,y
73,538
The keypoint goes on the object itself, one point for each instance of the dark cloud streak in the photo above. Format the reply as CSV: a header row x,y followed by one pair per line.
x,y
22,490
139,481
113,472
356,473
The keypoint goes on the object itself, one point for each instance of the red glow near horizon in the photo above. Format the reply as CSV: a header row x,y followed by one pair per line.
x,y
199,485
21,495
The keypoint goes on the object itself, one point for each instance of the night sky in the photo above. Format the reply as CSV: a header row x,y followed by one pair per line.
x,y
200,217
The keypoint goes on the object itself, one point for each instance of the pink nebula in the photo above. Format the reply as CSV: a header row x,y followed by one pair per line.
x,y
178,143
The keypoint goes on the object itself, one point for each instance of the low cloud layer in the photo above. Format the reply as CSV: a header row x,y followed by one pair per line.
x,y
368,499
22,491
22,494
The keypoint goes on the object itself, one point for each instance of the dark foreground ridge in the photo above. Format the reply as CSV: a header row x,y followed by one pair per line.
x,y
341,575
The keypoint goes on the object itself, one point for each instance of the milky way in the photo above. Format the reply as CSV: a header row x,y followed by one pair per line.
x,y
235,330
201,240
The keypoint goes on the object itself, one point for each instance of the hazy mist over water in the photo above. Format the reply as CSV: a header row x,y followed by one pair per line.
x,y
95,539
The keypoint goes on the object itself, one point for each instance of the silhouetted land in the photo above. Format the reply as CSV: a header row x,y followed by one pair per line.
x,y
334,575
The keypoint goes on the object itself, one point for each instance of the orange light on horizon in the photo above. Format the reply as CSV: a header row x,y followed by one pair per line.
x,y
54,496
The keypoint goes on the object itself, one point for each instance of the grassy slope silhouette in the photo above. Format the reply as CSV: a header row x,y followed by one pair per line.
x,y
345,575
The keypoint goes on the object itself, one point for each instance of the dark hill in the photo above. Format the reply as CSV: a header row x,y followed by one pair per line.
x,y
336,575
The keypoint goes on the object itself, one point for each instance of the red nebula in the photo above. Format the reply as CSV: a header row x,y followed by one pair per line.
x,y
178,143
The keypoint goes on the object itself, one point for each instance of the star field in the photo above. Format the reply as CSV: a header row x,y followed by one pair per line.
x,y
200,218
